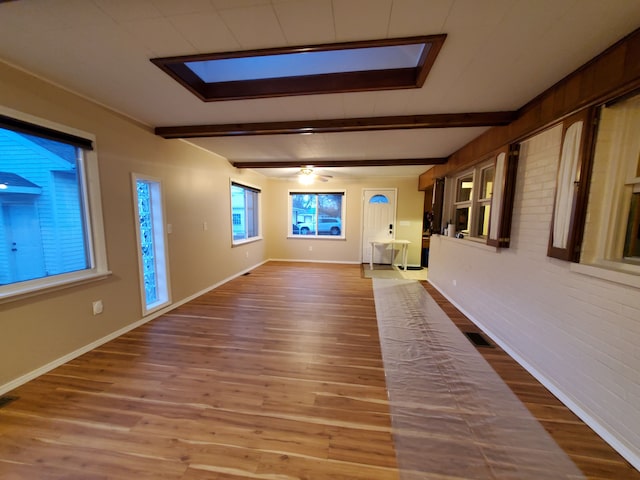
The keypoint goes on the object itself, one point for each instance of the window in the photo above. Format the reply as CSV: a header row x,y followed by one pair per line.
x,y
152,252
612,232
50,232
487,175
483,198
572,186
245,209
331,68
463,203
317,214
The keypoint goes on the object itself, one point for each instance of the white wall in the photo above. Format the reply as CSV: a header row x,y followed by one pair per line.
x,y
578,334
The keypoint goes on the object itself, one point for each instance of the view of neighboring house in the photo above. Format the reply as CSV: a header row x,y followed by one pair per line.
x,y
41,222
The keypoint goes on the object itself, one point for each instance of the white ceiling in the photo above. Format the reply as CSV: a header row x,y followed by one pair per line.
x,y
498,55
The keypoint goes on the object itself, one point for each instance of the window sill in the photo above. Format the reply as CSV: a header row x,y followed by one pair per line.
x,y
237,243
316,237
14,292
617,272
471,242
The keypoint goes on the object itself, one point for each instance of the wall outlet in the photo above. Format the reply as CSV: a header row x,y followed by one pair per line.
x,y
310,248
97,307
169,228
455,282
246,254
205,226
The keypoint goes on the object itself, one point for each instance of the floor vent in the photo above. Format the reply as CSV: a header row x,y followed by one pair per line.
x,y
478,339
245,274
6,400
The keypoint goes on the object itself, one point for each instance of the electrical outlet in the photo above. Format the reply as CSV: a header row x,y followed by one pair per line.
x,y
310,248
205,226
455,282
246,254
169,228
97,307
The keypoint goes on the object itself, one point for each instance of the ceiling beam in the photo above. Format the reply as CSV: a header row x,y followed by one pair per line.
x,y
341,163
364,124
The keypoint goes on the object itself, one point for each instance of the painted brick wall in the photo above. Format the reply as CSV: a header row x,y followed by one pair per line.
x,y
578,334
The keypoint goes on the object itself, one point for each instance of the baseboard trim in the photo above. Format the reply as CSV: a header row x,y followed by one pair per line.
x,y
7,387
590,419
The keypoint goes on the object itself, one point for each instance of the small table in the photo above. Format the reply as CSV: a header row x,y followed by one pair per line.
x,y
403,243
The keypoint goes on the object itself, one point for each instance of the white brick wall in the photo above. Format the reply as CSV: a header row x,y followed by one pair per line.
x,y
578,334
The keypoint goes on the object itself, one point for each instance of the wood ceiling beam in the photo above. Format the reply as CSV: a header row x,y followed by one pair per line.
x,y
364,124
341,163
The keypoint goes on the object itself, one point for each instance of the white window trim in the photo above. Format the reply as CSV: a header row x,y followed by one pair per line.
x,y
162,261
463,204
258,237
473,203
94,221
481,202
314,191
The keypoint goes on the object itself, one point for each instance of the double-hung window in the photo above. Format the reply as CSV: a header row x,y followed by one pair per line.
x,y
51,230
482,198
472,201
245,213
318,214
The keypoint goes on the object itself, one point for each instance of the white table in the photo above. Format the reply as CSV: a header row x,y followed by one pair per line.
x,y
403,243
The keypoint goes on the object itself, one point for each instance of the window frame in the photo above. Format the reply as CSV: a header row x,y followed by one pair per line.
x,y
92,206
315,235
341,81
160,242
504,188
462,204
504,163
609,200
482,202
573,214
257,217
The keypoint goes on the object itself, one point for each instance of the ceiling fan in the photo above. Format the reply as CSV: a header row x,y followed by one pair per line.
x,y
307,175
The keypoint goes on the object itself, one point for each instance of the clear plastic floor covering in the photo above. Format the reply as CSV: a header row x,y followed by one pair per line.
x,y
452,416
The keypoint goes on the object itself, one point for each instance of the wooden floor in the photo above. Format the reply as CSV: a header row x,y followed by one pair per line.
x,y
276,375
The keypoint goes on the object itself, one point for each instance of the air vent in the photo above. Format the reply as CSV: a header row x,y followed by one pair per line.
x,y
478,339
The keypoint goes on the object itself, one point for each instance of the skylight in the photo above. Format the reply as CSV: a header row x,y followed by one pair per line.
x,y
308,63
345,67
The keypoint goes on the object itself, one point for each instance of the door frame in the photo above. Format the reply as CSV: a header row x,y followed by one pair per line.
x,y
362,215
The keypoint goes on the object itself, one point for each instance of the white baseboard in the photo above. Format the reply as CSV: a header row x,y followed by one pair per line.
x,y
572,404
101,341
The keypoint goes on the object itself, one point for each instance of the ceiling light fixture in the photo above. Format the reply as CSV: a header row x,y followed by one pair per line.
x,y
306,176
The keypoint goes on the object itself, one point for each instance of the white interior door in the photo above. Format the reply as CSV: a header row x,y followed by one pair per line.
x,y
379,223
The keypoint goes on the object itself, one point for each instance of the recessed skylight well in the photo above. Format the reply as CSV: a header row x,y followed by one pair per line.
x,y
345,67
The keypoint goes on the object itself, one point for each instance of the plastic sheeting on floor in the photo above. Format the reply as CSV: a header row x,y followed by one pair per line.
x,y
452,415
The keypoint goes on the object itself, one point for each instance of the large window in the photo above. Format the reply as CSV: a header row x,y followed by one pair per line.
x,y
152,252
245,209
612,232
50,233
316,214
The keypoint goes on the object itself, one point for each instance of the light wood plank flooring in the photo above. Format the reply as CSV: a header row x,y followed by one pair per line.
x,y
276,375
